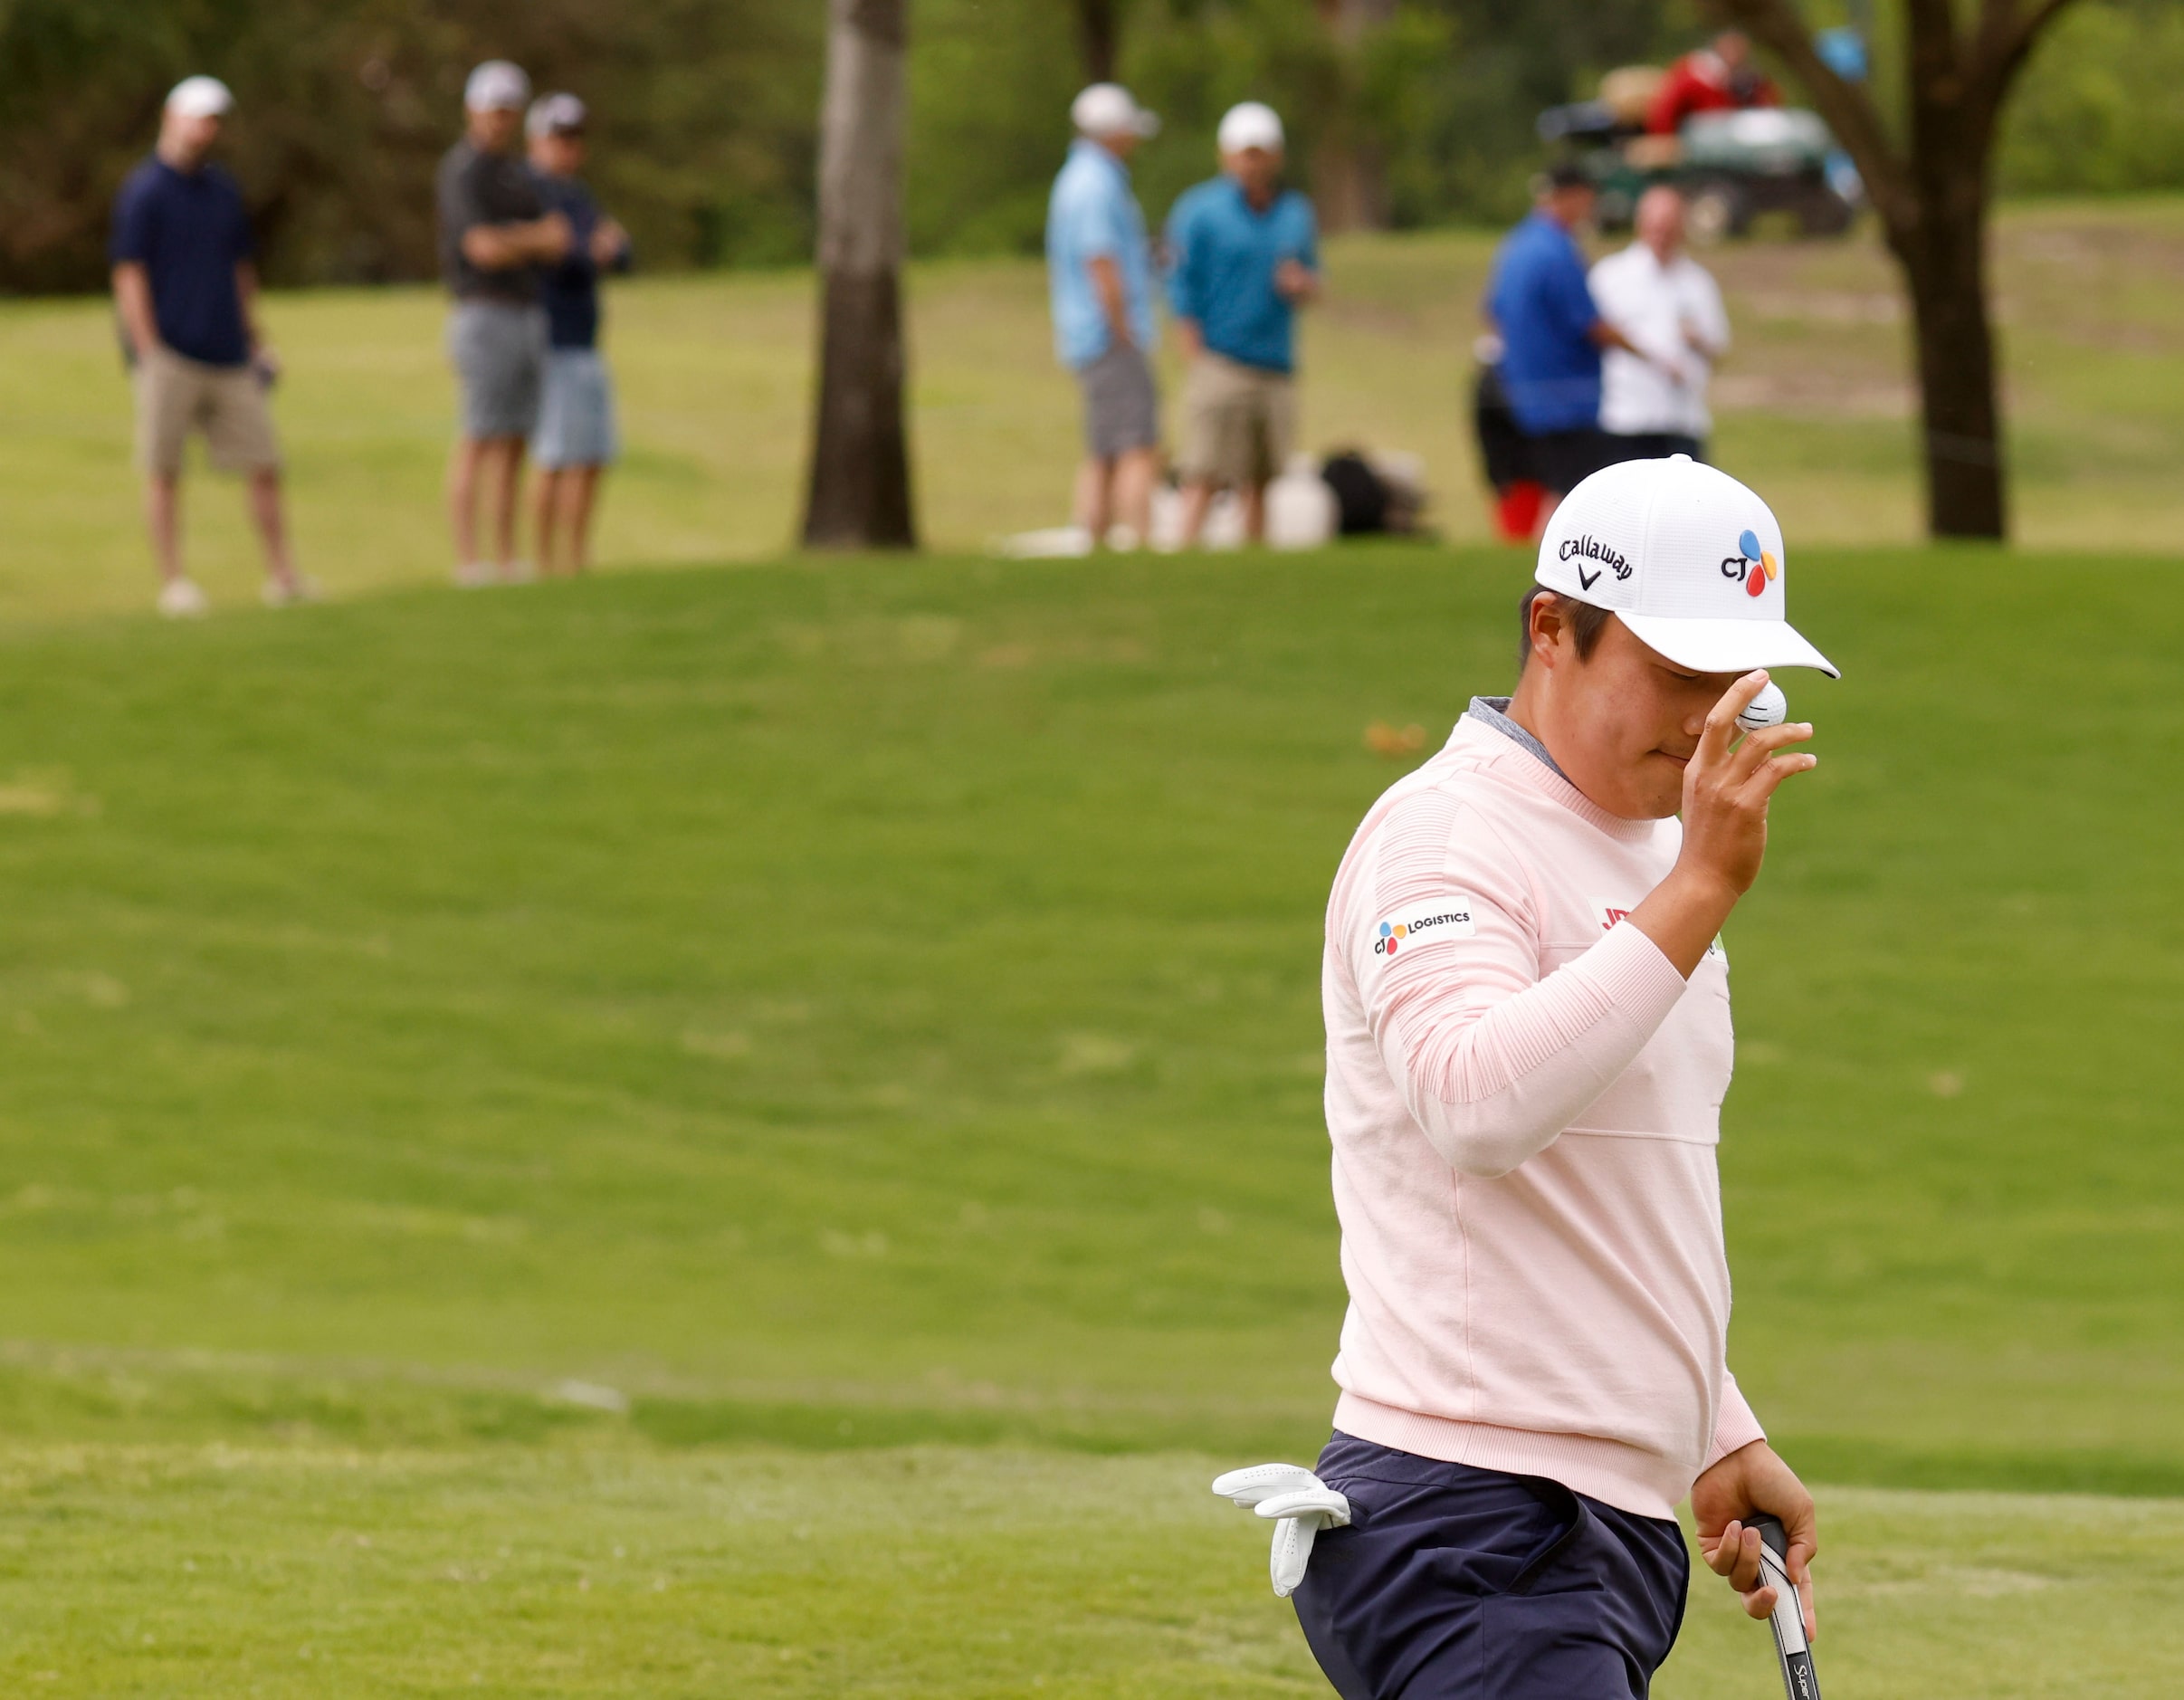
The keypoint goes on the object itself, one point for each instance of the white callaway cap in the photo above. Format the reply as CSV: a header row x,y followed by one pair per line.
x,y
1108,108
1251,124
200,96
1687,557
497,86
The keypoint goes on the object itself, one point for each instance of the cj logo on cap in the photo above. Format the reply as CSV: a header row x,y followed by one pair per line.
x,y
1753,567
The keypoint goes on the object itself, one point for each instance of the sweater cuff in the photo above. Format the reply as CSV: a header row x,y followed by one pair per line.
x,y
1735,1426
1631,973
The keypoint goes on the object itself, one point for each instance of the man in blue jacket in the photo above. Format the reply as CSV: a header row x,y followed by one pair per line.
x,y
1551,337
1244,253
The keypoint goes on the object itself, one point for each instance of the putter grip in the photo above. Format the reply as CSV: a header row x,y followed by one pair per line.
x,y
1800,1681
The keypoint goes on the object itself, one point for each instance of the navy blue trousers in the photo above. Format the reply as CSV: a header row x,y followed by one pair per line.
x,y
1453,1583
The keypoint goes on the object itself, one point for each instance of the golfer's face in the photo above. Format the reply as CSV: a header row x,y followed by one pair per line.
x,y
1639,724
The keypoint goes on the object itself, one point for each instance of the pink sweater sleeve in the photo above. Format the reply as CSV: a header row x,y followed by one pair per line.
x,y
1735,1426
1493,1060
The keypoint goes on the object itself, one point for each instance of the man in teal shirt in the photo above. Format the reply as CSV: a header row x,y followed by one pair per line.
x,y
1245,256
1099,269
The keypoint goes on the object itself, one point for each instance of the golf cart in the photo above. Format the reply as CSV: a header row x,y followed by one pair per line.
x,y
1732,166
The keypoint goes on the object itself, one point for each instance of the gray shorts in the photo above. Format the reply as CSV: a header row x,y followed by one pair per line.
x,y
577,412
498,348
1122,408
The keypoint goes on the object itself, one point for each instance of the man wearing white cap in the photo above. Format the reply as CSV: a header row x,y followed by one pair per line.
x,y
495,232
576,439
1099,269
1245,253
186,289
1528,1045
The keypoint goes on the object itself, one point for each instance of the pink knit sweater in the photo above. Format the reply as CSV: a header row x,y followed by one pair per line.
x,y
1524,1098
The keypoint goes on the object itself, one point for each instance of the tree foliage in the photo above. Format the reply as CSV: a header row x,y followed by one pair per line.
x,y
2099,111
705,119
707,109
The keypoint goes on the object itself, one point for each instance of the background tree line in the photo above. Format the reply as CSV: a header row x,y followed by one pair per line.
x,y
1406,113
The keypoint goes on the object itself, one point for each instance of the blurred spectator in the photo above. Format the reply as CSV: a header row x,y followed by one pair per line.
x,y
186,293
1244,253
1551,335
1100,274
1505,451
495,232
1715,78
576,437
1664,302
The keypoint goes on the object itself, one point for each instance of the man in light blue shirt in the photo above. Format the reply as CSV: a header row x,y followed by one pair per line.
x,y
1099,269
1245,254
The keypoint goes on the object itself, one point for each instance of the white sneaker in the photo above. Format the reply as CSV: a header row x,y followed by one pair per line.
x,y
297,589
475,574
180,600
518,572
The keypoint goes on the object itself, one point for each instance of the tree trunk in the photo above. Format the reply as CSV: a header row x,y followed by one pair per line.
x,y
1100,37
1931,196
1945,270
1942,249
1349,181
860,495
1349,170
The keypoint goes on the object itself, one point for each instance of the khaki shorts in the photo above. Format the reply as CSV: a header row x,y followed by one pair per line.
x,y
176,395
1237,421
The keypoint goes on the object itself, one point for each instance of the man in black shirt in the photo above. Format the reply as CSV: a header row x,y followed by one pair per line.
x,y
576,436
494,233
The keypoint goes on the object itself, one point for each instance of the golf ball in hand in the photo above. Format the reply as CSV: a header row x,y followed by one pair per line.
x,y
1770,708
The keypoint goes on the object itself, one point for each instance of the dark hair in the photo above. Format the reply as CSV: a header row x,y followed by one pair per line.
x,y
1586,623
1567,174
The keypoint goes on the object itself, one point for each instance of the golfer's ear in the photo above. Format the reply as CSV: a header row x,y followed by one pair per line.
x,y
1549,628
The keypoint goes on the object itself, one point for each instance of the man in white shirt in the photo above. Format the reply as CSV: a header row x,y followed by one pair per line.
x,y
1653,402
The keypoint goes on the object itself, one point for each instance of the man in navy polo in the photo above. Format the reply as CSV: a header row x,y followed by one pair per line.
x,y
1244,253
575,440
184,288
1552,337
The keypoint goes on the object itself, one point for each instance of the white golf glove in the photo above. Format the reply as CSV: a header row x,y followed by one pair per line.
x,y
1298,1504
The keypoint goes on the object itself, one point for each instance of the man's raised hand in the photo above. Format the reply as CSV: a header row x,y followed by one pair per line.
x,y
1727,786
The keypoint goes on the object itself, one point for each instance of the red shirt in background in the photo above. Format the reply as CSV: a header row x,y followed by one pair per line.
x,y
1701,82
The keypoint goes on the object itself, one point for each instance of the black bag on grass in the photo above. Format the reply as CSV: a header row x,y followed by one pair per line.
x,y
1361,495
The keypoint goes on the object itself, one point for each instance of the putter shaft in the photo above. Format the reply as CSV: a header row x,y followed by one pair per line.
x,y
1800,1681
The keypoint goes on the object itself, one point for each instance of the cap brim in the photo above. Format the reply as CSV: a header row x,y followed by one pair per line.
x,y
1146,124
1726,646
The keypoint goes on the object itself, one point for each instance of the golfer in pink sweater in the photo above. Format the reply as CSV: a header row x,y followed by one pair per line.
x,y
1528,1045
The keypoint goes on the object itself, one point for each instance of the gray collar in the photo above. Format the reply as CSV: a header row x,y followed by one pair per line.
x,y
1493,712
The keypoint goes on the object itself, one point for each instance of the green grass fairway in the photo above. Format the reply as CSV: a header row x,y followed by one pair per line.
x,y
927,1572
715,373
802,1073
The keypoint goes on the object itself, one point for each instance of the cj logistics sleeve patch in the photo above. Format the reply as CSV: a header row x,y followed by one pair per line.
x,y
1449,917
